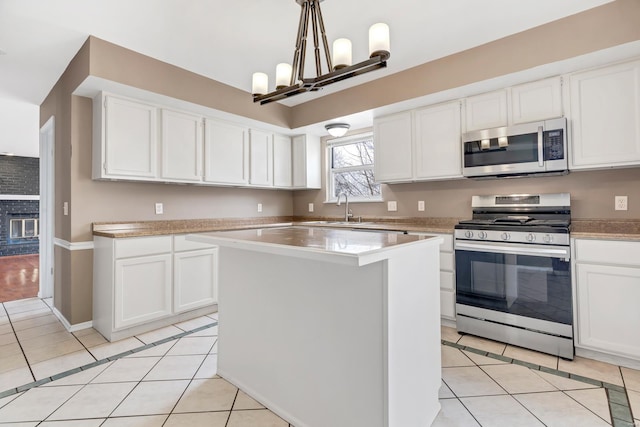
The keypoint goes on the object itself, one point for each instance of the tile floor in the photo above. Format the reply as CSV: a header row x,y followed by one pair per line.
x,y
168,378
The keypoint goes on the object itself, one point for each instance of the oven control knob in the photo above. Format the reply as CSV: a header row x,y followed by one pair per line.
x,y
468,234
547,238
482,235
531,237
506,236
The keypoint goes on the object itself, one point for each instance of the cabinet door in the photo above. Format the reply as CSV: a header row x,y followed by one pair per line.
x,y
438,146
539,100
195,279
261,158
181,146
130,138
392,136
488,110
307,159
282,161
605,114
608,315
142,290
226,153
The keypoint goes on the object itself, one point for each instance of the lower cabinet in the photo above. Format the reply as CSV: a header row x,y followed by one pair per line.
x,y
143,283
447,277
607,277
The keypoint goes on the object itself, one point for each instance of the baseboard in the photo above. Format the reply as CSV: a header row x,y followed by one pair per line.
x,y
608,358
68,326
448,322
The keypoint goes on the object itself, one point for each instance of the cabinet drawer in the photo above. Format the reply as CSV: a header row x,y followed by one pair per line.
x,y
447,280
181,244
446,261
607,252
448,304
142,246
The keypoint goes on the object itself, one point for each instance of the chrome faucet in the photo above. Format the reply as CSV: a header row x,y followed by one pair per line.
x,y
347,212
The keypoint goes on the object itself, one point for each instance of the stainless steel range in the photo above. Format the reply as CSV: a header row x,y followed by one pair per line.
x,y
513,271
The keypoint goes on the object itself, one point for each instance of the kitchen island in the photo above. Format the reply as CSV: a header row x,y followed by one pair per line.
x,y
331,327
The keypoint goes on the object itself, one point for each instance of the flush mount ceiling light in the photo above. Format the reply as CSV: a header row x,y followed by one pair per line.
x,y
337,129
290,80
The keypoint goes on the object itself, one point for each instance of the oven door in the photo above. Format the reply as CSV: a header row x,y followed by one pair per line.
x,y
532,281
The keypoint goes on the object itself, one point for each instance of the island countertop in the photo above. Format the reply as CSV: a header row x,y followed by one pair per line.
x,y
358,247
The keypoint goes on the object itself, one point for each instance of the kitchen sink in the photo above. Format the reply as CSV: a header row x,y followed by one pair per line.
x,y
333,223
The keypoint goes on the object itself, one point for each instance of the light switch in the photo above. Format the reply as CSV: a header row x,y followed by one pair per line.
x,y
159,208
392,206
259,207
65,208
310,207
421,205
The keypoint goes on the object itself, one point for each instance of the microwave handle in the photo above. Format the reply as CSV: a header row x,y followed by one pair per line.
x,y
540,148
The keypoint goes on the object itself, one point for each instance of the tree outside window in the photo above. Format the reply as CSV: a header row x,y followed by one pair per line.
x,y
351,169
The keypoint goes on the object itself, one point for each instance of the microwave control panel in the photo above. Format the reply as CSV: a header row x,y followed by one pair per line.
x,y
554,144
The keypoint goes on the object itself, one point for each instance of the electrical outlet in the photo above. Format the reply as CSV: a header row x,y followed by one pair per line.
x,y
392,206
159,208
621,203
421,205
259,207
310,207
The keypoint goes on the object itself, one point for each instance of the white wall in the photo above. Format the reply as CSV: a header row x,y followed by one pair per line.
x,y
19,133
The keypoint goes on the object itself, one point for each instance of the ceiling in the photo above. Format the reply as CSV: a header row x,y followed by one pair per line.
x,y
229,40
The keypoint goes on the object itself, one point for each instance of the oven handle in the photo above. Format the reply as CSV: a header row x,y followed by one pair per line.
x,y
540,148
553,252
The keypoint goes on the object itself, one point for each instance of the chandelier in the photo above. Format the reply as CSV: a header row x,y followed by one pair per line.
x,y
290,79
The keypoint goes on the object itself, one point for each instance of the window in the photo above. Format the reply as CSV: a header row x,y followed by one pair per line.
x,y
23,228
350,163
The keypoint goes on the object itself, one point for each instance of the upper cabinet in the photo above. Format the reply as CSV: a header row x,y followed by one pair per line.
x,y
260,158
528,102
306,156
539,100
124,139
393,140
282,162
488,110
438,147
139,141
605,117
181,143
226,153
419,145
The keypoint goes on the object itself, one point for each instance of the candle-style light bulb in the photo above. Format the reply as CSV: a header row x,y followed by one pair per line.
x,y
283,75
379,40
260,84
341,53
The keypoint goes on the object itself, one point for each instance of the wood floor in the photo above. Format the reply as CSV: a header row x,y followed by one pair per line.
x,y
19,277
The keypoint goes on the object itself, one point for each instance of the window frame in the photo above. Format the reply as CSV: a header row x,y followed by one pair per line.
x,y
330,181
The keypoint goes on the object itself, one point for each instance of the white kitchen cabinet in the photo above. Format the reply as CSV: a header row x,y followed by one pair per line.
x,y
607,294
125,143
447,277
226,153
307,160
195,274
260,158
132,282
393,142
181,143
538,100
438,148
282,161
487,110
605,117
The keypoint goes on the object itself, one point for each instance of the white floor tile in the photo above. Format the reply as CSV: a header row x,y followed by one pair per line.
x,y
449,334
500,411
207,395
112,348
592,369
61,364
209,419
260,417
453,357
483,360
531,356
143,421
5,400
631,379
80,378
127,369
482,344
175,368
73,423
595,400
556,409
563,383
445,392
244,401
152,398
209,368
15,378
192,345
517,379
470,381
157,350
94,400
192,324
453,414
36,404
159,334
634,401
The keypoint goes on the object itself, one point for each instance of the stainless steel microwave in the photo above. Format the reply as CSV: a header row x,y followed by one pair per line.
x,y
519,150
